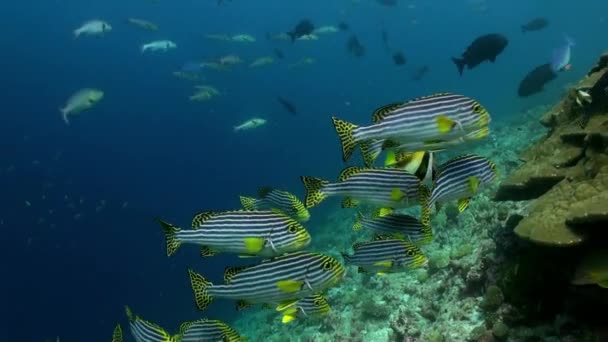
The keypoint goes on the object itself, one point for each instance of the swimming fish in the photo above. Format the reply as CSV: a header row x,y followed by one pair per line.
x,y
210,330
444,116
420,164
93,28
82,100
399,58
284,201
535,80
290,107
461,178
560,60
434,145
117,334
262,61
385,256
249,233
283,279
303,28
383,187
535,24
243,38
146,331
143,24
250,124
593,269
397,226
158,45
314,305
483,48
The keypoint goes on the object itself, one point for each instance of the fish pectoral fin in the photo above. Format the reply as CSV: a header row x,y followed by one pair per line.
x,y
397,195
290,286
445,124
287,306
384,263
473,184
603,284
254,244
287,318
463,203
382,212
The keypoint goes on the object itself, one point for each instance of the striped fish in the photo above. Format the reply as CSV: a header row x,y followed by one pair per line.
x,y
117,334
247,233
444,116
277,199
283,279
397,226
460,178
146,331
210,330
315,305
385,256
378,186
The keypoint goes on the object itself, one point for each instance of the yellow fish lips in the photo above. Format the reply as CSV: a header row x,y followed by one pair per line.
x,y
302,240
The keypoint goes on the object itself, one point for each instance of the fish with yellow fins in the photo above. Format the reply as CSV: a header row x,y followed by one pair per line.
x,y
383,187
461,178
385,255
426,120
269,198
267,233
284,280
146,331
208,330
314,305
398,226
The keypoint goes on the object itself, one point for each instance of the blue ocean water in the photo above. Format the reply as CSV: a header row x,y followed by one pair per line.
x,y
79,239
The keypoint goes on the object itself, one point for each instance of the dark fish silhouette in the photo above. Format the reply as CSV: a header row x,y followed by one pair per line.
x,y
483,48
287,105
399,58
535,25
343,26
279,53
535,80
303,28
354,46
420,72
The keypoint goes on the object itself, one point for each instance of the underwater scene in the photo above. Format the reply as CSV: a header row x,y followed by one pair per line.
x,y
306,171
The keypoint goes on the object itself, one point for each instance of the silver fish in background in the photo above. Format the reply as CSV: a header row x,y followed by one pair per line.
x,y
378,186
146,331
398,226
93,28
248,233
385,256
443,117
461,178
82,100
208,330
284,279
284,201
158,45
560,59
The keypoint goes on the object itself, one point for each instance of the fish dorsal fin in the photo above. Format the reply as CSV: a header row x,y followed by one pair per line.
x,y
264,191
201,217
116,335
349,172
129,313
184,326
230,272
382,112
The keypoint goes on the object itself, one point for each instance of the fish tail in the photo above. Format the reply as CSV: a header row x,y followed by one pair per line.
x,y
314,192
64,115
117,335
200,287
459,64
358,222
143,48
248,203
369,155
345,133
170,236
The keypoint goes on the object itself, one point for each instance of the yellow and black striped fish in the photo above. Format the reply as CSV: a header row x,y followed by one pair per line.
x,y
460,178
146,331
208,330
277,199
245,232
384,187
399,226
314,305
385,256
438,117
283,279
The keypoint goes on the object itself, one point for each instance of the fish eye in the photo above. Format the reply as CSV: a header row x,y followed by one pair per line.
x,y
317,302
477,108
292,228
327,265
410,252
